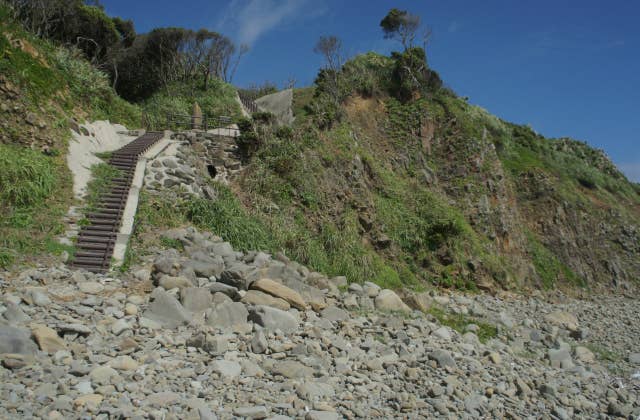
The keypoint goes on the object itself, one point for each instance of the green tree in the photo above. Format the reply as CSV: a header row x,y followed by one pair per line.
x,y
401,25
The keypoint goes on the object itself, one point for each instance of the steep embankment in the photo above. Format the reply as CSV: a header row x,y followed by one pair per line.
x,y
44,91
436,189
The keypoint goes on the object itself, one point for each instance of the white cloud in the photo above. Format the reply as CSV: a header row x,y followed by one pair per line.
x,y
250,19
631,170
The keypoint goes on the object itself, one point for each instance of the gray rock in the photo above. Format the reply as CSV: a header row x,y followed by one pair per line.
x,y
103,375
216,345
255,412
333,314
559,356
230,291
312,391
227,314
16,341
226,368
171,282
223,249
120,326
443,358
443,333
256,297
195,299
90,287
321,415
15,315
273,319
166,310
371,289
236,276
213,267
634,358
506,320
291,369
259,342
388,300
38,296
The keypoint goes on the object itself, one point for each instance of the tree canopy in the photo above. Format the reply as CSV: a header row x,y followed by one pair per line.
x,y
401,25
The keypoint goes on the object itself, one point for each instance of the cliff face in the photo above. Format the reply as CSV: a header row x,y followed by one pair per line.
x,y
437,191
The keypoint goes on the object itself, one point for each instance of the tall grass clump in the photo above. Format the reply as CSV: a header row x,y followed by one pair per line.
x,y
26,177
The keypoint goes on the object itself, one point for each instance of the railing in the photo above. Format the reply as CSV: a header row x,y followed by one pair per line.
x,y
248,102
218,125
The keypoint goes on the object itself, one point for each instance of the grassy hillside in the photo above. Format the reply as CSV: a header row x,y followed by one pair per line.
x,y
44,90
179,97
434,190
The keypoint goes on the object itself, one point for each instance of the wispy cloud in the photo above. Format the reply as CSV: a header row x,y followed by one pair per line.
x,y
250,19
631,170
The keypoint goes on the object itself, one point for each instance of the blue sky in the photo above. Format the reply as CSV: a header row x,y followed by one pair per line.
x,y
566,67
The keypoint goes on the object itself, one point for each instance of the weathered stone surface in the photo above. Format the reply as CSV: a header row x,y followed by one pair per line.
x,y
227,314
273,319
388,300
170,282
104,375
254,412
291,369
195,299
212,267
166,310
259,342
123,363
312,391
16,341
443,358
334,314
562,319
91,287
280,291
256,297
48,339
230,291
226,368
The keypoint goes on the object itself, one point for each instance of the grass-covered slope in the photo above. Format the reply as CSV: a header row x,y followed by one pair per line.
x,y
434,190
43,90
179,97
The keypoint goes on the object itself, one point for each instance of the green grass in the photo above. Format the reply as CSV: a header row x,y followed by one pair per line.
x,y
459,322
102,176
34,192
549,268
26,176
171,243
178,98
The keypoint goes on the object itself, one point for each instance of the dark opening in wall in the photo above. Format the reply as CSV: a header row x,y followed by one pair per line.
x,y
212,171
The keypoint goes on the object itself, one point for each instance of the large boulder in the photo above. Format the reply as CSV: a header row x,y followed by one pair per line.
x,y
166,310
388,300
236,275
227,314
256,297
195,299
47,338
16,341
280,291
205,266
273,319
